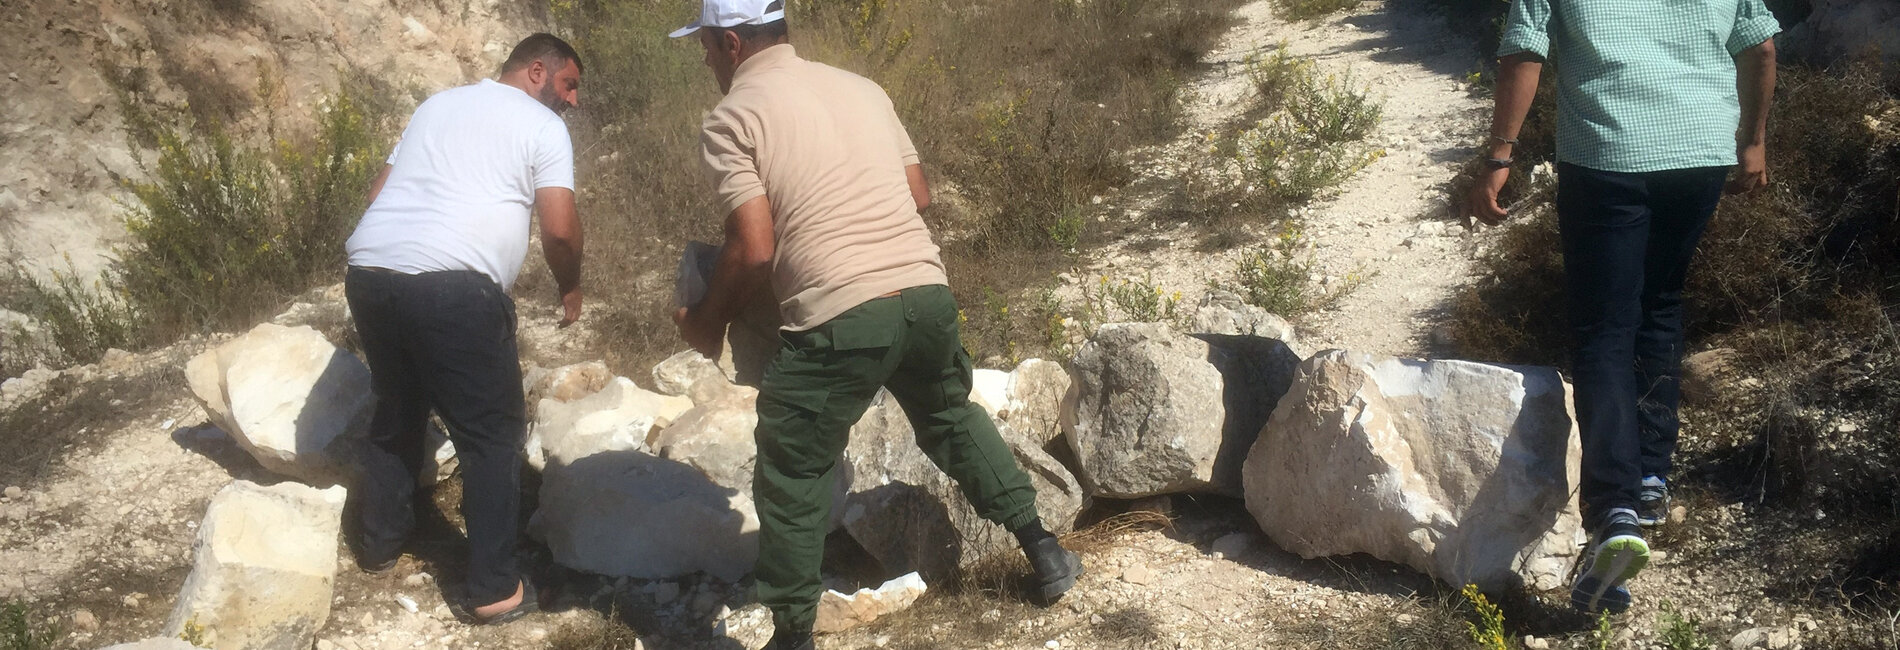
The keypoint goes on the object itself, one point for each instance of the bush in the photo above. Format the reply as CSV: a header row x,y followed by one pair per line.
x,y
1312,138
220,233
20,630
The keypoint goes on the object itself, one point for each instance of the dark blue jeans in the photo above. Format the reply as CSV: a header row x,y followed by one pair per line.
x,y
1627,242
445,342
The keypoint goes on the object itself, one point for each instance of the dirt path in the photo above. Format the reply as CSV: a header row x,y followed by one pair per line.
x,y
1389,226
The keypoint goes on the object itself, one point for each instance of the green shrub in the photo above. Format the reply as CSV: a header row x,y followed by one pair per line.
x,y
1488,629
220,233
1677,631
1278,277
21,630
1311,140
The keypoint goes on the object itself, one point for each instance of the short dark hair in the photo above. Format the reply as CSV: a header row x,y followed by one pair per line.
x,y
543,47
772,31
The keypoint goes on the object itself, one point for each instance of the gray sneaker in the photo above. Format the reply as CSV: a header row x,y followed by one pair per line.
x,y
1652,503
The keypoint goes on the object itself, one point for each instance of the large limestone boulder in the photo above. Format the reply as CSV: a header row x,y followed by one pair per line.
x,y
1153,411
263,568
715,438
677,374
1028,399
1225,312
1462,470
289,397
911,517
564,384
625,512
611,506
620,416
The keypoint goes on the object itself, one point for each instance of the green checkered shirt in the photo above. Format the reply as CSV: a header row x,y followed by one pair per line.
x,y
1642,85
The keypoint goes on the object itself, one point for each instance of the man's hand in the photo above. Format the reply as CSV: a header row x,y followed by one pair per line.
x,y
570,307
705,336
1751,171
1482,200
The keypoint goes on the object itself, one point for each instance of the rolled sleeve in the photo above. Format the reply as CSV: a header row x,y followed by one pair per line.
x,y
1527,29
1754,24
729,158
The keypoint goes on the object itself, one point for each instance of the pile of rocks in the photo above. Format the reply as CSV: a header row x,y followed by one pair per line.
x,y
1462,470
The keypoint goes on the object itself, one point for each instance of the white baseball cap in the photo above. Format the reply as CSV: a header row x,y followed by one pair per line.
x,y
732,13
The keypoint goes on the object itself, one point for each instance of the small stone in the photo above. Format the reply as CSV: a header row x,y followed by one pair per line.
x,y
131,601
1679,514
664,592
1749,639
1053,645
85,621
1232,544
1138,575
326,644
14,492
1847,427
416,579
368,622
125,509
1534,643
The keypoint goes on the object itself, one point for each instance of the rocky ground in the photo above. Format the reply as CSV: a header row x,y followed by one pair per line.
x,y
104,498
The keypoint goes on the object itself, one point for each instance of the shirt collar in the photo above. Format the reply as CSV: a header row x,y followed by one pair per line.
x,y
767,58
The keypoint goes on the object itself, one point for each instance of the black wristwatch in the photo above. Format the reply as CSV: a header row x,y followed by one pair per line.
x,y
1498,163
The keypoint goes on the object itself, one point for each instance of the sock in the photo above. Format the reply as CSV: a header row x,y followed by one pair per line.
x,y
1031,533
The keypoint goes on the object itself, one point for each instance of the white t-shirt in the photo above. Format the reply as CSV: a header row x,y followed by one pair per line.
x,y
462,182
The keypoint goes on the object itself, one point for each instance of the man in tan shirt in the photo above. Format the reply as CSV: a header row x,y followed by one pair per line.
x,y
822,189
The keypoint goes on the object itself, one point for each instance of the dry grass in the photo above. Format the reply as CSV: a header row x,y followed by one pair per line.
x,y
1018,124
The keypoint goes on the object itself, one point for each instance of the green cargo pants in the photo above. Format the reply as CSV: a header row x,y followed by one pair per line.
x,y
820,383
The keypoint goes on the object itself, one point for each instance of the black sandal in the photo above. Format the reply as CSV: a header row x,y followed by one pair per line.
x,y
530,603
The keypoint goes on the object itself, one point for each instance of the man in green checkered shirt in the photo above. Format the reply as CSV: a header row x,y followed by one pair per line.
x,y
1657,101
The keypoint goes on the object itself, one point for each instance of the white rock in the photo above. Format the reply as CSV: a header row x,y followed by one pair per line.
x,y
990,390
1035,391
565,384
623,512
287,396
1232,545
1749,639
263,569
716,438
911,517
1462,470
619,417
838,612
1225,312
1153,411
155,643
677,374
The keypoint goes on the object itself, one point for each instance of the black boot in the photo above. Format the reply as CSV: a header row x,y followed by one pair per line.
x,y
1056,568
785,640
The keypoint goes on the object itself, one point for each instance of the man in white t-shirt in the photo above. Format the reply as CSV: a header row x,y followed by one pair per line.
x,y
430,265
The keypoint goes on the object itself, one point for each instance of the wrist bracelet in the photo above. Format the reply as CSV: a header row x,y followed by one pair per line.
x,y
1498,163
1504,140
